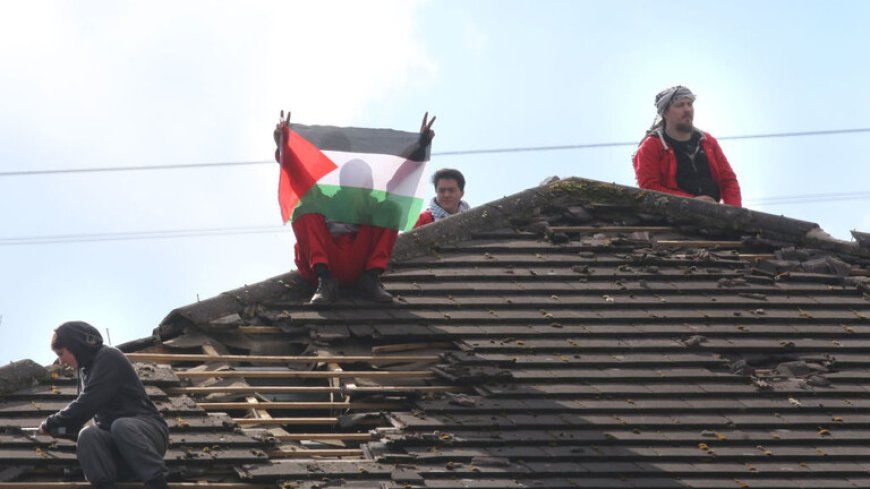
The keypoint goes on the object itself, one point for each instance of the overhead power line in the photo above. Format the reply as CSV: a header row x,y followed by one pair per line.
x,y
140,235
635,143
180,166
241,230
106,169
797,134
809,198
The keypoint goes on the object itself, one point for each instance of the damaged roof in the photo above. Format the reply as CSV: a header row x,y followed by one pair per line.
x,y
578,334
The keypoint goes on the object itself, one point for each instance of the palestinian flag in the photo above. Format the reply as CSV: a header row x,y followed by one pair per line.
x,y
352,175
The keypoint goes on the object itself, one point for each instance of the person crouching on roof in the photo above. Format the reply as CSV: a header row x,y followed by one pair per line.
x,y
128,434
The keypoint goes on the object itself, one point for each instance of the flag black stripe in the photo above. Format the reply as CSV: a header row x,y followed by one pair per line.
x,y
364,140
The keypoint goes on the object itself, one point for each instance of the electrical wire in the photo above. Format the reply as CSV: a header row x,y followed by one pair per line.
x,y
809,198
20,173
240,230
140,235
244,230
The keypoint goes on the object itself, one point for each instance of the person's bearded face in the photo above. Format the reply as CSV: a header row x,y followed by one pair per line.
x,y
681,114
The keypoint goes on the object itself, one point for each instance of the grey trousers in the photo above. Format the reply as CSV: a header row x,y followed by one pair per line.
x,y
132,445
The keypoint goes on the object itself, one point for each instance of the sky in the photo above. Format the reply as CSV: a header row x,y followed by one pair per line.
x,y
106,85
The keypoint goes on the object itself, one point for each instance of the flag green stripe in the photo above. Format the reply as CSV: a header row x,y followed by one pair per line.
x,y
360,206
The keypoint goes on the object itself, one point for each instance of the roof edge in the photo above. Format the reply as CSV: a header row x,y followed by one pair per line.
x,y
273,288
687,210
21,374
666,207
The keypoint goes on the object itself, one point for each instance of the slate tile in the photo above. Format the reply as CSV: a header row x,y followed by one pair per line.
x,y
656,482
562,468
505,483
318,470
859,481
832,483
592,482
37,455
709,483
830,468
520,453
612,468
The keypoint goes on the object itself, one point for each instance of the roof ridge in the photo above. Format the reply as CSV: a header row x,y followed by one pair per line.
x,y
527,205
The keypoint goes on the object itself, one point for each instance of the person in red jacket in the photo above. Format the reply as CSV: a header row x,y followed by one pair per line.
x,y
449,190
677,158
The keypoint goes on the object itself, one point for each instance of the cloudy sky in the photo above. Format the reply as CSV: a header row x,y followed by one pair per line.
x,y
90,88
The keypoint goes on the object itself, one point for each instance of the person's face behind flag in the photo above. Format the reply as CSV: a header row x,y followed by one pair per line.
x,y
448,195
356,173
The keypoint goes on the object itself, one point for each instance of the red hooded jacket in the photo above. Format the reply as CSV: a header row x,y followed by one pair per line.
x,y
425,218
655,166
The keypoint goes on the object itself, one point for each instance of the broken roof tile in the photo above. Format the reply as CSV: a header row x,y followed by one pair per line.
x,y
580,334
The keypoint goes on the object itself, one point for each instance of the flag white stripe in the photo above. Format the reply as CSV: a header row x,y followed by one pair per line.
x,y
382,175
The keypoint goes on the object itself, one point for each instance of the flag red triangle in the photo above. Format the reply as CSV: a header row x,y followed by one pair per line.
x,y
302,165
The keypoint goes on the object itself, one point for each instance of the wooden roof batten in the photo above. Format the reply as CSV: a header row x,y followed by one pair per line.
x,y
173,358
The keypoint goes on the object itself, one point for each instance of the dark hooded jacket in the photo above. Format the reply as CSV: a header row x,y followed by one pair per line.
x,y
110,387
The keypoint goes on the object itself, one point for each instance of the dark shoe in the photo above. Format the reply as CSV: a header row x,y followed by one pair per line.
x,y
157,483
371,288
327,291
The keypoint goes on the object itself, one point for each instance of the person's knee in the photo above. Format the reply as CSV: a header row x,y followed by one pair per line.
x,y
123,427
93,451
88,436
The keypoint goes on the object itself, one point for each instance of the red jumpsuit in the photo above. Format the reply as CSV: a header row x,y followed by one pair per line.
x,y
347,255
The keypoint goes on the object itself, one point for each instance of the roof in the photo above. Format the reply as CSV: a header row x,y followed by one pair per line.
x,y
578,334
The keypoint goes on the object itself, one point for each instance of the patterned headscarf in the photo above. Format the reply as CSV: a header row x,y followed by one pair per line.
x,y
666,97
439,213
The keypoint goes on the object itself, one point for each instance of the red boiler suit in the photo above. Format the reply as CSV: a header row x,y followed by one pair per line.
x,y
347,255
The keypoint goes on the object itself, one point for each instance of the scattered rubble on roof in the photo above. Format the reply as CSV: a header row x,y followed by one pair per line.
x,y
575,335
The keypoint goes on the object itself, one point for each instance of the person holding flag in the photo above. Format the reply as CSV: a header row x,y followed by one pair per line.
x,y
348,192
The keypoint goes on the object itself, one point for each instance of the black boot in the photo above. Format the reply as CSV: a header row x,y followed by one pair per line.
x,y
371,288
327,291
158,482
